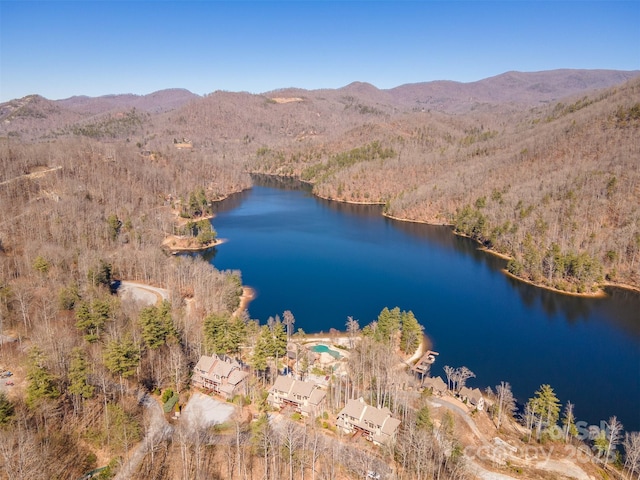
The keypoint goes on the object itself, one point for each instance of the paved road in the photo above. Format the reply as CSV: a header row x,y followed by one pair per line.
x,y
143,293
157,430
443,402
492,451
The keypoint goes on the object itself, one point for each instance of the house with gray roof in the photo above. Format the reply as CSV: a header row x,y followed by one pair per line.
x,y
375,424
436,385
305,397
473,397
221,376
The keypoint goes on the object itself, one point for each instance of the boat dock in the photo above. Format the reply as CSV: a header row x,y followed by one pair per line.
x,y
423,365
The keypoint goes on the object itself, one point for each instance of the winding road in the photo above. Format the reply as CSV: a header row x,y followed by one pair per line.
x,y
143,293
496,452
157,430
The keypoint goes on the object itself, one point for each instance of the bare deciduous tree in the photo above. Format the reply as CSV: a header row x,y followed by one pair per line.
x,y
631,445
613,434
506,403
352,329
288,319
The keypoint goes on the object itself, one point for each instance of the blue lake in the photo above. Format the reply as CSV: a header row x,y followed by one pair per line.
x,y
325,261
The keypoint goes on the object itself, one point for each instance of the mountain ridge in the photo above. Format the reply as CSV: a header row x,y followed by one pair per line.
x,y
524,87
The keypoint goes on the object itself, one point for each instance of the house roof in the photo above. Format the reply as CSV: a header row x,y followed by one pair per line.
x,y
303,389
367,415
436,383
205,363
214,366
291,386
376,416
290,389
354,408
222,368
283,384
465,392
237,376
226,388
317,396
475,395
390,426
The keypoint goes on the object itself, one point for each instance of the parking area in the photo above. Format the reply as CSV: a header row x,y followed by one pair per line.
x,y
203,411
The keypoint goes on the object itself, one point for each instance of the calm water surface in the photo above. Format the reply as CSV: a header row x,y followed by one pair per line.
x,y
325,261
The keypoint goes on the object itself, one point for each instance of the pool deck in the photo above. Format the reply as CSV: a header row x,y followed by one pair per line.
x,y
328,359
334,352
329,344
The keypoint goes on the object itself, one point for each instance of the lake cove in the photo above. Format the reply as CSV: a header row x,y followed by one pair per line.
x,y
325,261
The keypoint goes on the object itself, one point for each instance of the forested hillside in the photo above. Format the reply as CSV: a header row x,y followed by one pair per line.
x,y
77,215
90,189
555,188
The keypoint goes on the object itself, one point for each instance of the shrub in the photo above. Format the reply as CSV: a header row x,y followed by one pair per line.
x,y
166,395
171,403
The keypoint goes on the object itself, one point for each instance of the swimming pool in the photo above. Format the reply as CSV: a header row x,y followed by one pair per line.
x,y
320,348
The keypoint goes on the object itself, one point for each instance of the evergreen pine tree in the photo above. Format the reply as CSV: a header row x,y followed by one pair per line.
x,y
79,375
6,409
388,325
41,382
157,325
546,408
411,333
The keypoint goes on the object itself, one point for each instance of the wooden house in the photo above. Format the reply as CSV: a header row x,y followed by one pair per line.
x,y
223,377
305,397
473,397
436,385
375,424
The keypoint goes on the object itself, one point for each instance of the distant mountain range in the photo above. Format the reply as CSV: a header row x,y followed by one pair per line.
x,y
156,102
516,88
511,87
532,88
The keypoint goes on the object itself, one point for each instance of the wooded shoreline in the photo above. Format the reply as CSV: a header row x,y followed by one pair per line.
x,y
599,293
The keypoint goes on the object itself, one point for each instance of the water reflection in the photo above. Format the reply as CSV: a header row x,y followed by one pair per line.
x,y
623,309
281,183
620,308
443,236
572,307
208,254
351,208
232,202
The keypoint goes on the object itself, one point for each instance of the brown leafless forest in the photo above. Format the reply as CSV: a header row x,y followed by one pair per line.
x,y
90,188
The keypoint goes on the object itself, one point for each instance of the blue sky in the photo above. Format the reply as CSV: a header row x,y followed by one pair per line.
x,y
58,49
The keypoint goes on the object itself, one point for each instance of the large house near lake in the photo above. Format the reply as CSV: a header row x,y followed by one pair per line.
x,y
472,396
375,424
436,385
221,376
305,397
